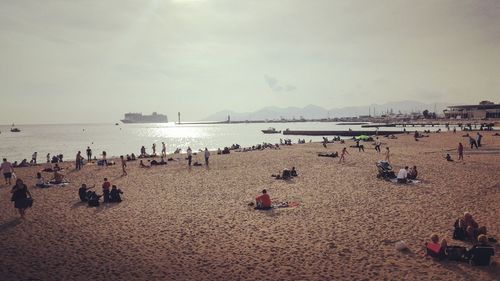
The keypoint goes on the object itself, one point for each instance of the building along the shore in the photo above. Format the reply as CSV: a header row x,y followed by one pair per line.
x,y
479,111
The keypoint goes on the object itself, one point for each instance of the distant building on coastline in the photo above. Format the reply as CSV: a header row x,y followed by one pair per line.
x,y
139,118
484,109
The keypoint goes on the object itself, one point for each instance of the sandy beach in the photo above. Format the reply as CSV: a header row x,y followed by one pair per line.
x,y
177,223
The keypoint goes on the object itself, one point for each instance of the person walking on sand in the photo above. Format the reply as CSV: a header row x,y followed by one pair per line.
x,y
124,165
163,149
207,155
190,156
478,139
377,145
342,155
154,148
89,154
79,161
387,155
7,170
20,197
460,150
472,143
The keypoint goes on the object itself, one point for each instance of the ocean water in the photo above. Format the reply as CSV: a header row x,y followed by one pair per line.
x,y
128,138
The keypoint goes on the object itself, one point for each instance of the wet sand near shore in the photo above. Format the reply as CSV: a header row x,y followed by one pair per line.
x,y
177,223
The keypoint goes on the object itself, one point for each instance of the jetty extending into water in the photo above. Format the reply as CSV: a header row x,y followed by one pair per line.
x,y
343,133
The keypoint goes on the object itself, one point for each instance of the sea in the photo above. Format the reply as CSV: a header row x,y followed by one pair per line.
x,y
124,139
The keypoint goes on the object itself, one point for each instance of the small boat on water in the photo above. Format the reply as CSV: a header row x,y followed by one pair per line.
x,y
15,130
271,130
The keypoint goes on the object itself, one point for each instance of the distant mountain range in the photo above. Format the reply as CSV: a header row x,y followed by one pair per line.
x,y
317,112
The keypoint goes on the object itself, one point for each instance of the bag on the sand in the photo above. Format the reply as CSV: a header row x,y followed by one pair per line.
x,y
455,253
29,202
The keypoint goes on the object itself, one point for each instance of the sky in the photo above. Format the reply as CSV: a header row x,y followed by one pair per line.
x,y
64,61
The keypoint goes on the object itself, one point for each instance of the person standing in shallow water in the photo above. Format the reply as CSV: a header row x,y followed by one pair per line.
x,y
20,197
154,148
163,149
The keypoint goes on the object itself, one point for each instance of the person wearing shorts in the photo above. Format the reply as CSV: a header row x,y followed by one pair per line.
x,y
7,171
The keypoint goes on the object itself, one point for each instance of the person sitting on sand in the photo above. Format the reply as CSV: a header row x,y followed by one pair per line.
x,y
448,158
467,228
403,175
294,172
413,173
40,181
57,168
142,165
58,177
93,199
263,202
114,195
436,248
84,192
481,253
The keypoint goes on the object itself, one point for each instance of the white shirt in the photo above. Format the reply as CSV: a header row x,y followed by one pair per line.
x,y
403,173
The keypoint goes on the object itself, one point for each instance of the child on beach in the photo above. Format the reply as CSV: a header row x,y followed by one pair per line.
x,y
342,155
387,155
163,149
40,181
436,248
106,185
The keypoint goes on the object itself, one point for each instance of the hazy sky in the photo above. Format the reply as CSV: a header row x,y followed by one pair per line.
x,y
93,60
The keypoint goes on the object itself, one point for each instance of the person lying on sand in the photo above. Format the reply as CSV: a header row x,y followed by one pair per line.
x,y
333,154
466,228
436,248
263,202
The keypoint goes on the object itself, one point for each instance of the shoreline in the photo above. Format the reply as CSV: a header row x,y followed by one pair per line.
x,y
177,223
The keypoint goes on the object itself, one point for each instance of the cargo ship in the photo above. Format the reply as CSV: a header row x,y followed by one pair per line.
x,y
139,118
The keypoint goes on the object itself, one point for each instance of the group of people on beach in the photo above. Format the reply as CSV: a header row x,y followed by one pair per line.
x,y
466,229
110,194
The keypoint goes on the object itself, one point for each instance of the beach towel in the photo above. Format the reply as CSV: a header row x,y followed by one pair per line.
x,y
395,180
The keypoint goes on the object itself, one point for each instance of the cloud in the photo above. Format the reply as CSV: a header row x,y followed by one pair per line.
x,y
276,86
